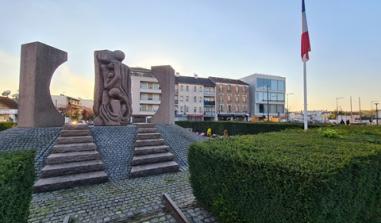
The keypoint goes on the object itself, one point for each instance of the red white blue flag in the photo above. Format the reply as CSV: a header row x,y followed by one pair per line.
x,y
306,45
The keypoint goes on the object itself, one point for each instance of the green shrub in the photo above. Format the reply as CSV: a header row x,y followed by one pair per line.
x,y
6,125
236,128
288,176
16,180
330,133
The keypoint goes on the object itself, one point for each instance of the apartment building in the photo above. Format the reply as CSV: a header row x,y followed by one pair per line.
x,y
267,95
232,99
194,98
145,94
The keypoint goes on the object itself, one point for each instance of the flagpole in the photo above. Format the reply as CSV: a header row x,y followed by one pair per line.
x,y
305,95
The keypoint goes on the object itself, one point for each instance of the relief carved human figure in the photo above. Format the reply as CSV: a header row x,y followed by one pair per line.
x,y
112,103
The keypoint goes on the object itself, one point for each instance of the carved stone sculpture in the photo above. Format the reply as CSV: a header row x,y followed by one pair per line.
x,y
112,99
38,63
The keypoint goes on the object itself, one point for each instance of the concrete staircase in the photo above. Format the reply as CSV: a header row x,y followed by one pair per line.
x,y
151,155
74,161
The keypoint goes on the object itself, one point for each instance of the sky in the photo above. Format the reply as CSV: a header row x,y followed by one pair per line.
x,y
231,39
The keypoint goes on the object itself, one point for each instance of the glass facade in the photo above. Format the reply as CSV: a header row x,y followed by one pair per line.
x,y
272,85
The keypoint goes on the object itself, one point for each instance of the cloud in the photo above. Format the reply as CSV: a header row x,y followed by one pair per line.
x,y
66,81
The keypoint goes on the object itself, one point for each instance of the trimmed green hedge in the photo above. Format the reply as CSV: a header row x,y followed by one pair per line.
x,y
290,176
16,180
6,125
236,128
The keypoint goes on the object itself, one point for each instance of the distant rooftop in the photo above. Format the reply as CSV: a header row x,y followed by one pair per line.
x,y
139,71
194,80
10,103
227,81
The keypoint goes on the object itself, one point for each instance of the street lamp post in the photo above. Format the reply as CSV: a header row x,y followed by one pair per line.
x,y
287,95
337,106
376,112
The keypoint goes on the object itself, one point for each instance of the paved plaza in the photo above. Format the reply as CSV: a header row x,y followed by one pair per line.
x,y
121,199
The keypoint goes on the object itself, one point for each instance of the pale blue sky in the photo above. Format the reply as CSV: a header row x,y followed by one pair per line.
x,y
211,38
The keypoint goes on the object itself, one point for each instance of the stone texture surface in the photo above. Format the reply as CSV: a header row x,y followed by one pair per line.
x,y
166,78
116,146
38,63
179,140
39,139
112,91
122,199
130,200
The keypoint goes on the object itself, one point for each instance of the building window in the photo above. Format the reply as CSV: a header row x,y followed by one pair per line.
x,y
194,109
200,100
194,88
186,98
181,109
221,88
229,88
229,108
221,108
195,99
199,110
181,98
200,89
236,99
236,89
187,88
181,87
229,98
261,108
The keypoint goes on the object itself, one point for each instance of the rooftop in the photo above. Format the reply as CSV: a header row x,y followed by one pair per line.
x,y
194,80
227,81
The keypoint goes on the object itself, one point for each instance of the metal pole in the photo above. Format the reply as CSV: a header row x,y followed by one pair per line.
x,y
305,96
376,113
351,110
268,105
360,109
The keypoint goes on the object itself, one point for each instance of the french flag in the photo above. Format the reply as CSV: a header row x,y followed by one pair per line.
x,y
306,45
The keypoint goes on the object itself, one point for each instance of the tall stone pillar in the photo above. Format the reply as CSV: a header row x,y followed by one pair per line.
x,y
166,78
38,63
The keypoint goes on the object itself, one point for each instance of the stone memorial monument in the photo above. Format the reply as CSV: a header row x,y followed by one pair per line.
x,y
112,99
165,75
38,63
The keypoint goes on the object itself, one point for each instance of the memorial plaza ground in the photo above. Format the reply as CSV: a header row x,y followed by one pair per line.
x,y
122,199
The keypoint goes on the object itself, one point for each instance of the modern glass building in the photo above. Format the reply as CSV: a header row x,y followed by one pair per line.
x,y
267,95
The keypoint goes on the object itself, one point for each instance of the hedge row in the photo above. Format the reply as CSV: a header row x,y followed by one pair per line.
x,y
6,125
289,176
236,128
16,180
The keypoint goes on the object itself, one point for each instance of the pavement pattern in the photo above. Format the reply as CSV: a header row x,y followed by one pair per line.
x,y
39,139
121,199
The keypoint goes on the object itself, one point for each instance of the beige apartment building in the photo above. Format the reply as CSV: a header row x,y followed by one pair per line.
x,y
232,99
194,98
145,94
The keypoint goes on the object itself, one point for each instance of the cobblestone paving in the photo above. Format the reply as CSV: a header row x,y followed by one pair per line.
x,y
129,200
39,139
179,140
116,145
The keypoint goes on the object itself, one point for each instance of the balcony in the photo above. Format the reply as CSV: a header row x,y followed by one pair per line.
x,y
209,114
209,102
150,102
150,90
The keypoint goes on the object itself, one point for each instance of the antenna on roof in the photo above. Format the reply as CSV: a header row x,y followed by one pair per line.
x,y
195,75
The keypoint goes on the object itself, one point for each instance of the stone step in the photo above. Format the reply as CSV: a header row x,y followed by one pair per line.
x,y
152,158
148,135
56,183
76,127
149,142
144,150
74,139
154,168
75,133
58,158
145,125
71,168
147,130
78,147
